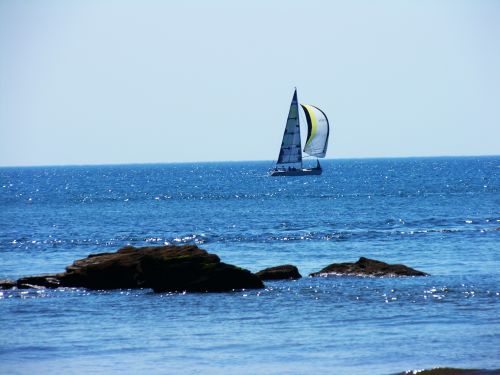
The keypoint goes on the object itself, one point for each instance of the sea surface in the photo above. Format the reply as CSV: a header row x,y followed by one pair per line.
x,y
438,215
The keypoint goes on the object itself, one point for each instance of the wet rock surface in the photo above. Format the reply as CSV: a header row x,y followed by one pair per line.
x,y
368,267
7,284
162,268
283,272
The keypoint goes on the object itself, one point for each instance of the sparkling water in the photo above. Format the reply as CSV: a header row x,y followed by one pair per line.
x,y
438,215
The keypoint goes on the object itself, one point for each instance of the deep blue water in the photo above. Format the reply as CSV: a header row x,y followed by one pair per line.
x,y
439,215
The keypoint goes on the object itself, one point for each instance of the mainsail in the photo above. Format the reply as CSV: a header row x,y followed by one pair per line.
x,y
290,146
318,131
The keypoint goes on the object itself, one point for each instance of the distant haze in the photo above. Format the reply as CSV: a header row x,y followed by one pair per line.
x,y
92,82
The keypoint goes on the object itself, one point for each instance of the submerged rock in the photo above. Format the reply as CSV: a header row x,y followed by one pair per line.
x,y
286,271
368,267
162,268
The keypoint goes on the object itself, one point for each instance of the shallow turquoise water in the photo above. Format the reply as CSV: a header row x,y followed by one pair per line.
x,y
439,215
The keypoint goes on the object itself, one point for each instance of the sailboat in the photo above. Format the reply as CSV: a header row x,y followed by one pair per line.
x,y
290,157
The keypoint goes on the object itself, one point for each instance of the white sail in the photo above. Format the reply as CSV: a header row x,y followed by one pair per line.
x,y
290,158
318,131
290,152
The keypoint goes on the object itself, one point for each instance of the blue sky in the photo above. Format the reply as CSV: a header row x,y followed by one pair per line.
x,y
91,82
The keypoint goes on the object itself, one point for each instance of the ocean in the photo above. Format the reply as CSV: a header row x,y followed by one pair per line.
x,y
438,215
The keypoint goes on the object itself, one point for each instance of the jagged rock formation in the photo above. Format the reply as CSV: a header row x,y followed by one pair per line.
x,y
163,268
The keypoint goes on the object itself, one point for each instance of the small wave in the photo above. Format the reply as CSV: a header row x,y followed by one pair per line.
x,y
27,243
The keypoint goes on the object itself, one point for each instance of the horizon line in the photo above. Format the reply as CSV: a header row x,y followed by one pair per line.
x,y
239,161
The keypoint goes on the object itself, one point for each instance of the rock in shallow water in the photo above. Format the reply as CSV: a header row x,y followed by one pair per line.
x,y
284,272
46,281
451,371
163,268
7,284
368,267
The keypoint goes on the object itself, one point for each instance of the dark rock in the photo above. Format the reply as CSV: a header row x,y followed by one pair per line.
x,y
163,268
283,272
7,284
47,281
368,267
118,270
190,268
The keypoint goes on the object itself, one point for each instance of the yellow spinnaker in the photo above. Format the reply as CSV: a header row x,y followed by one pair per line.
x,y
314,122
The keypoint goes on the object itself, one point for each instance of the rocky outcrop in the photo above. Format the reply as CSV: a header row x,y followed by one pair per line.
x,y
284,272
368,267
164,269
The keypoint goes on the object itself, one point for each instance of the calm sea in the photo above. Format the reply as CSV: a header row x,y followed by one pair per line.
x,y
438,215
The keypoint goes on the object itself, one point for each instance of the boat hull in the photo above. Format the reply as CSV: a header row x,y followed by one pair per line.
x,y
296,172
